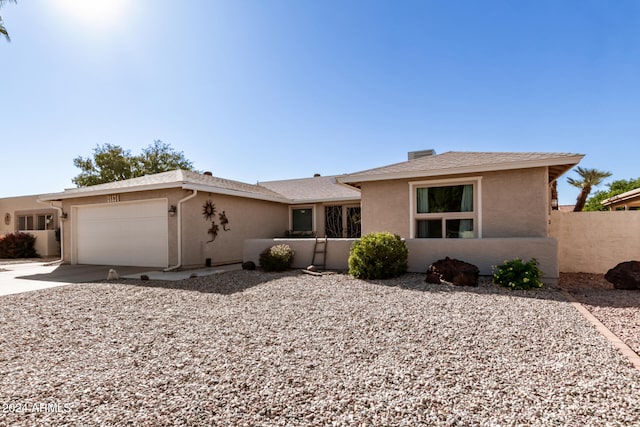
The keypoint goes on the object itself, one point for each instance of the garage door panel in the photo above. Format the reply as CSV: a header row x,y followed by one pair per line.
x,y
123,234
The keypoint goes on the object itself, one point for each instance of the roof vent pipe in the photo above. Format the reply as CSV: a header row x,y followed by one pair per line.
x,y
412,155
207,173
316,175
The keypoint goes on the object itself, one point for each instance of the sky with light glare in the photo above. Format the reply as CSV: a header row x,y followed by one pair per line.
x,y
258,90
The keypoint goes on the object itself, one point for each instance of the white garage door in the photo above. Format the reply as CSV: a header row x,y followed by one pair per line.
x,y
133,234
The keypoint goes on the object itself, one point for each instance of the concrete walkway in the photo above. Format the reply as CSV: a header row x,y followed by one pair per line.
x,y
30,276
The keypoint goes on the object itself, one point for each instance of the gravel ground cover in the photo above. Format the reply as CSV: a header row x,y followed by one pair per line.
x,y
618,310
256,349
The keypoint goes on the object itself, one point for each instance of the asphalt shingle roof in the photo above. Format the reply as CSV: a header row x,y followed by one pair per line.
x,y
172,179
462,162
316,189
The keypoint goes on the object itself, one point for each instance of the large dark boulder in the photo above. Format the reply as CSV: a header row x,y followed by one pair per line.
x,y
454,271
625,275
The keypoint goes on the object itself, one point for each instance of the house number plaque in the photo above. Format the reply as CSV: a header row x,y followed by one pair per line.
x,y
113,198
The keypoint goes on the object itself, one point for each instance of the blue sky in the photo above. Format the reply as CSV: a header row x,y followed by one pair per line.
x,y
276,89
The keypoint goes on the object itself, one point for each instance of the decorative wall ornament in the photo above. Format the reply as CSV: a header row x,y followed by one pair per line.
x,y
209,213
213,231
209,210
224,221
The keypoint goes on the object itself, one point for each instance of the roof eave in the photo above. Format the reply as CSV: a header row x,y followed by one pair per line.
x,y
237,193
106,191
621,197
324,200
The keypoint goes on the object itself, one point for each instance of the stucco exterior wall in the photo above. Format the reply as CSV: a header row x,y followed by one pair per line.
x,y
514,204
385,207
248,218
11,207
15,206
594,242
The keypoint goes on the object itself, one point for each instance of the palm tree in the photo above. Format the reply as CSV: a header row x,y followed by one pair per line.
x,y
589,178
3,30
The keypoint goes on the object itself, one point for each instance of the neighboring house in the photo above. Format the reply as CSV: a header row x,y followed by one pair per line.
x,y
182,218
629,201
25,214
481,207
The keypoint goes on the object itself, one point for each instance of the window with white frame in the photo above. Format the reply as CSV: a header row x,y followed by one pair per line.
x,y
445,209
35,222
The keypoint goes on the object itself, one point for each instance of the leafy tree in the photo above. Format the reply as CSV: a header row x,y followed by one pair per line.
x,y
594,203
589,179
3,30
160,157
113,163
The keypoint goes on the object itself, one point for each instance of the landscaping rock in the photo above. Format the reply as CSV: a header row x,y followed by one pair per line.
x,y
249,265
454,271
625,275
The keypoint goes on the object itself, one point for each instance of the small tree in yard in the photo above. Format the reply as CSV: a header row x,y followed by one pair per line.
x,y
378,256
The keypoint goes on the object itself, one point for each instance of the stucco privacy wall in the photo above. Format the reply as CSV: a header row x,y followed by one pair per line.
x,y
514,203
248,218
337,251
485,253
594,242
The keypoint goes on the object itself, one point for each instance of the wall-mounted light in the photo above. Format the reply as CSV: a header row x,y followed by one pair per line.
x,y
554,204
172,210
63,215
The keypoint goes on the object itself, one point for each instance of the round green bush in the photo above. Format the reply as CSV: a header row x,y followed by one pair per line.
x,y
378,256
277,258
517,274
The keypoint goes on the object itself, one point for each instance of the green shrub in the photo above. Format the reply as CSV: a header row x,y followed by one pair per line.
x,y
277,258
517,274
378,256
18,245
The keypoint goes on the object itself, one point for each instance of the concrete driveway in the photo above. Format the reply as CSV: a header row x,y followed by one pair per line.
x,y
30,276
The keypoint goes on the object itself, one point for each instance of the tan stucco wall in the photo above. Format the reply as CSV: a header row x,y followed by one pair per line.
x,y
337,251
594,242
514,204
22,205
484,253
248,218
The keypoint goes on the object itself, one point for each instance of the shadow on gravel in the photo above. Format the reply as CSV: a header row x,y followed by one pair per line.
x,y
416,282
595,290
225,283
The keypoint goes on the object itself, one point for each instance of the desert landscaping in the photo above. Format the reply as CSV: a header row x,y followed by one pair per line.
x,y
255,348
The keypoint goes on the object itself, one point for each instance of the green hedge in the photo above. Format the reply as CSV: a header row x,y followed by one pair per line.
x,y
378,256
